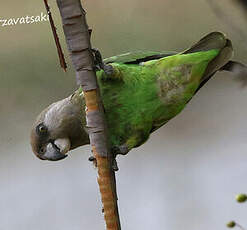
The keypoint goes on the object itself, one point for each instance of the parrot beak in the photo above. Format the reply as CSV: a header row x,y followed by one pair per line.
x,y
56,150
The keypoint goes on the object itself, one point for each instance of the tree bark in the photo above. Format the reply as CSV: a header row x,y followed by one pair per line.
x,y
77,36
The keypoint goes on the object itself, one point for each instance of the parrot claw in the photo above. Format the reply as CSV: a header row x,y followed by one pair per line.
x,y
115,165
93,159
99,64
109,70
98,61
121,149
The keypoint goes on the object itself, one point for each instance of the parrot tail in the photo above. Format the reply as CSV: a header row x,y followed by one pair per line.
x,y
218,41
214,40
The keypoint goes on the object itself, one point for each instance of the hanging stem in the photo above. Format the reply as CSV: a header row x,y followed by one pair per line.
x,y
54,31
240,226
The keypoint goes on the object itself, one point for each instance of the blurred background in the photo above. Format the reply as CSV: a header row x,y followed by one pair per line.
x,y
184,177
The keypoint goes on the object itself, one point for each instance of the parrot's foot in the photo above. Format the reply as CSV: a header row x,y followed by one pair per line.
x,y
99,64
93,159
109,70
98,61
115,165
121,149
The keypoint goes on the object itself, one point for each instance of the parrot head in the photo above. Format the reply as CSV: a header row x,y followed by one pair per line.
x,y
58,129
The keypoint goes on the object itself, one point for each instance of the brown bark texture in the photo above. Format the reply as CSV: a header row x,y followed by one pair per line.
x,y
77,36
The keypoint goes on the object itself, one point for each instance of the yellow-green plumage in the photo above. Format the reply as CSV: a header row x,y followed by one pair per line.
x,y
141,97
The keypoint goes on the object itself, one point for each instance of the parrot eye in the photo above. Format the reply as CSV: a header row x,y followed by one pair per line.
x,y
42,150
41,129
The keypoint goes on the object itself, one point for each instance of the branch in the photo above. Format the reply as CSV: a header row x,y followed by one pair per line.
x,y
77,36
58,45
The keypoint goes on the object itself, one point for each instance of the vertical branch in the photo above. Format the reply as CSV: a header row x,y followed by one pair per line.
x,y
77,36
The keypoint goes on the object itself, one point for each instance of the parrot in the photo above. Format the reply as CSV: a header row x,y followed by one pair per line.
x,y
141,91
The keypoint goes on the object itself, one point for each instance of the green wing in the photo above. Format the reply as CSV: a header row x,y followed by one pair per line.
x,y
149,95
137,57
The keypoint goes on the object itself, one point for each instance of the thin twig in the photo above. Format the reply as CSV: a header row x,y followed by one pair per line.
x,y
54,31
241,227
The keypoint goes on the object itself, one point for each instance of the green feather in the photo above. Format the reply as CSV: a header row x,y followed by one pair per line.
x,y
144,97
147,90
